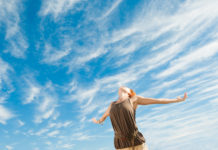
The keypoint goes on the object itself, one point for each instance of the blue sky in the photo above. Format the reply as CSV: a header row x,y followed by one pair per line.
x,y
62,62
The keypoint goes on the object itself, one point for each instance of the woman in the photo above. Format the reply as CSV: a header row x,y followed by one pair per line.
x,y
122,116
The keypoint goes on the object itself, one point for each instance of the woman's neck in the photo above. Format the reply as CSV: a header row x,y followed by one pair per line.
x,y
123,97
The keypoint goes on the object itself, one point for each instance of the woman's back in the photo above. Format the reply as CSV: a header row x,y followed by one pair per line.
x,y
122,117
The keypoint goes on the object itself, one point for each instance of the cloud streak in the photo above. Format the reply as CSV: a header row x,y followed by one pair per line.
x,y
16,41
57,8
5,88
5,114
44,97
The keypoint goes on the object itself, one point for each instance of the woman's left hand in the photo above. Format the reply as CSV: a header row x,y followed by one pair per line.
x,y
179,99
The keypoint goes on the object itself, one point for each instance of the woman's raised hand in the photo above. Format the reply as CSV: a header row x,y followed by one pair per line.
x,y
182,99
94,120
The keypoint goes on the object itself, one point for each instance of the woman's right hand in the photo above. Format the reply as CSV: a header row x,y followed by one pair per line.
x,y
95,121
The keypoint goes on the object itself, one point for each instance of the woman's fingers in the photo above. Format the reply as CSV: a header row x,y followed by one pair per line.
x,y
182,99
185,95
94,120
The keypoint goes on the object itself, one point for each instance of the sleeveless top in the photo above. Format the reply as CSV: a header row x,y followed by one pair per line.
x,y
122,116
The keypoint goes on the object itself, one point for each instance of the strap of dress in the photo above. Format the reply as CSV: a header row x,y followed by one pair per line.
x,y
131,103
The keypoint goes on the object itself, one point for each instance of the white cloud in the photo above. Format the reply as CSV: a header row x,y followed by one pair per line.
x,y
91,55
133,36
44,98
68,146
189,60
112,8
8,147
5,83
52,55
48,143
5,69
21,123
182,122
182,27
17,43
175,124
81,136
52,129
86,54
2,99
5,114
47,105
53,133
33,93
72,86
60,124
40,132
85,97
56,8
46,108
85,94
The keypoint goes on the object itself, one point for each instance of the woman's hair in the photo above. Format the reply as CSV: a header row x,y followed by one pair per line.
x,y
128,91
132,93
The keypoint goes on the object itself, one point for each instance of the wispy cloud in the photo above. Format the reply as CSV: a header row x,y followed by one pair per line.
x,y
5,88
40,132
46,110
68,146
34,91
81,136
111,9
56,8
21,123
53,133
189,60
183,125
44,97
4,71
16,42
5,114
183,121
60,124
52,55
8,147
133,36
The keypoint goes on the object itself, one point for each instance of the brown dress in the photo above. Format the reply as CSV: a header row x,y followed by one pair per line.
x,y
122,116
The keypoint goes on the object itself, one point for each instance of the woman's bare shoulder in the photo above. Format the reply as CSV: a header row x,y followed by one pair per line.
x,y
134,102
134,99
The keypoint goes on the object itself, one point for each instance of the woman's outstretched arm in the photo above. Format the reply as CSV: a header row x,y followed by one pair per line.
x,y
146,101
104,116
